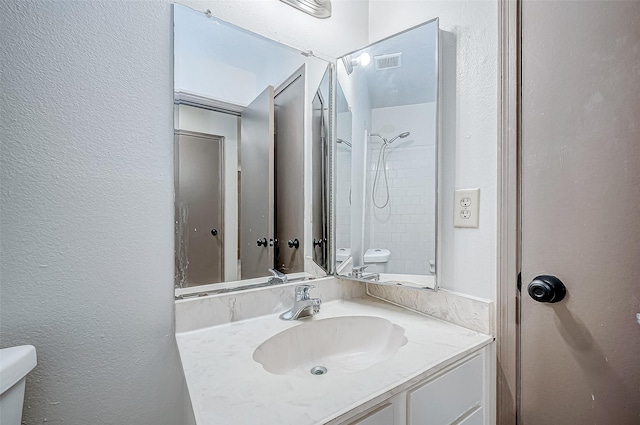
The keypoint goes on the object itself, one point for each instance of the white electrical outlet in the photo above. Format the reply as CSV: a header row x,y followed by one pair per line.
x,y
466,208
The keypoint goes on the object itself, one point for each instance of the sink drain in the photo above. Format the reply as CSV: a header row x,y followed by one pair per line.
x,y
318,370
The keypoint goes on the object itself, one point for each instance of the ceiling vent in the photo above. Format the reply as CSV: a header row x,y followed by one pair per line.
x,y
390,61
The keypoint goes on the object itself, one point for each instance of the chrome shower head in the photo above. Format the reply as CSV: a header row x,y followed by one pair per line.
x,y
401,135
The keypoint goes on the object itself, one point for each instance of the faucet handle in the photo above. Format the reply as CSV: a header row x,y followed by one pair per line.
x,y
302,292
316,305
278,274
357,271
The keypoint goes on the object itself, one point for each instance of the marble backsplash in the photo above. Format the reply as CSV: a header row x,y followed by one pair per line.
x,y
470,312
463,310
201,312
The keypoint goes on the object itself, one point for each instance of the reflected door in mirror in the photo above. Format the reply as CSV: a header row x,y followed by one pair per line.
x,y
199,182
257,186
289,168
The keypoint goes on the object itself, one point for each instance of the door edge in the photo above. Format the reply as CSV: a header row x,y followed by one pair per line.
x,y
508,241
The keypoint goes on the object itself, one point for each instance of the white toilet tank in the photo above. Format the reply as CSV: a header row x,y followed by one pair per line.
x,y
376,259
15,364
342,254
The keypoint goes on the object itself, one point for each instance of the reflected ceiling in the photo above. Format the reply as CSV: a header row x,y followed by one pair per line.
x,y
408,84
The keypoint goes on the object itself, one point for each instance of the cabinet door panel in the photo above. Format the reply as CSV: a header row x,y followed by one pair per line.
x,y
476,418
443,400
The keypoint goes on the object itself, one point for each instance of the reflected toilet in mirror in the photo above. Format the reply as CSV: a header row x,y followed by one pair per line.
x,y
252,127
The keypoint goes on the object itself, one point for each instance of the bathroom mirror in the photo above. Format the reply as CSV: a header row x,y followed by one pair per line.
x,y
252,126
387,160
321,173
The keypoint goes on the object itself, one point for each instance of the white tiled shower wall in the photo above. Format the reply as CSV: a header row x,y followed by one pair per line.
x,y
406,226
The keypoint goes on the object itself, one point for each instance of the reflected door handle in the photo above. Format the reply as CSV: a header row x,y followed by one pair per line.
x,y
262,242
295,243
547,289
214,232
318,242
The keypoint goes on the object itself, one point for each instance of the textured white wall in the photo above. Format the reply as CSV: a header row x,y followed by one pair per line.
x,y
469,126
86,251
87,209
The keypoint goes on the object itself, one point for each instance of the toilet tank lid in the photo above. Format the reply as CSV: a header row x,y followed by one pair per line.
x,y
15,363
342,254
377,255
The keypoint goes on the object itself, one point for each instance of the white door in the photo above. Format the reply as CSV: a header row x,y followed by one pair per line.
x,y
580,212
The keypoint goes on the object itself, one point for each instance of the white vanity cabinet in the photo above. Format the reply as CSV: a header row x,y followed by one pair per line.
x,y
389,412
458,395
383,415
442,375
447,399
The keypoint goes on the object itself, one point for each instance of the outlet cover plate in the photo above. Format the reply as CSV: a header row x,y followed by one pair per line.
x,y
466,208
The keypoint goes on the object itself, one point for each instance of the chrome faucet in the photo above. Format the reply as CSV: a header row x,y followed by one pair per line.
x,y
357,272
277,278
303,306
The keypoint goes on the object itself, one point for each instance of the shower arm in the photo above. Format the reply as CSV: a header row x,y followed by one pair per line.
x,y
381,137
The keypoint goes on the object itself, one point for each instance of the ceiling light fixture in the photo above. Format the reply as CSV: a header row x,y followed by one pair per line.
x,y
364,59
317,8
349,63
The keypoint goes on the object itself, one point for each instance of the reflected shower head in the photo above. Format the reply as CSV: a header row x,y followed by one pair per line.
x,y
344,142
401,135
387,142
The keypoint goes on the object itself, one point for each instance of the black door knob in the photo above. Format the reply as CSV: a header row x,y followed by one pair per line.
x,y
295,243
317,242
262,242
214,232
547,289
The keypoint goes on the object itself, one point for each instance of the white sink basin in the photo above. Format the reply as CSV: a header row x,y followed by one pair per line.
x,y
339,344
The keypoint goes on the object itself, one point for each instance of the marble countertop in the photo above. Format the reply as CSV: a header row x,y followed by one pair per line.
x,y
227,386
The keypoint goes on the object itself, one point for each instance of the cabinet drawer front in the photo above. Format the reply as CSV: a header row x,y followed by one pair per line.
x,y
381,416
443,400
